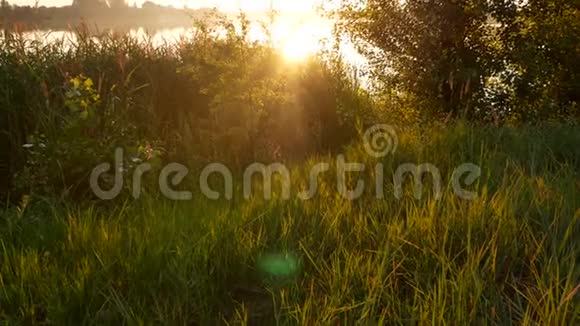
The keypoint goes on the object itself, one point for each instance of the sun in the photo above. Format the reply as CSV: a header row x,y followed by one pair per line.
x,y
299,46
297,29
298,41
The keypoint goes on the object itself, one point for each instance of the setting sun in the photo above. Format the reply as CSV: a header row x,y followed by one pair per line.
x,y
300,43
297,30
295,49
297,41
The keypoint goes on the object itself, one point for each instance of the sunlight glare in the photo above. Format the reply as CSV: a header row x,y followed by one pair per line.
x,y
299,40
299,45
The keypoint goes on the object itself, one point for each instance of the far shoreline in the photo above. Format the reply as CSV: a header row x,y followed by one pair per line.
x,y
96,18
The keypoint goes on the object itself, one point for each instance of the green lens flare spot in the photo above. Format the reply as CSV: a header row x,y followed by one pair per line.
x,y
278,265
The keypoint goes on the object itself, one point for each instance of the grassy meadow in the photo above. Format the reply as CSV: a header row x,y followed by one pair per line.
x,y
510,256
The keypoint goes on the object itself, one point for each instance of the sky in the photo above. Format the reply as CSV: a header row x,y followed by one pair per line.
x,y
284,6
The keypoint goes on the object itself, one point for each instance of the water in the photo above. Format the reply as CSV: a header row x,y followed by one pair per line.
x,y
296,38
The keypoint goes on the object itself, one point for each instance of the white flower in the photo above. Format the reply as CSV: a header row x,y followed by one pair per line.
x,y
28,145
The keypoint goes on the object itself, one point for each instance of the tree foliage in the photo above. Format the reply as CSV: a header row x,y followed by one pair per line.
x,y
544,47
449,52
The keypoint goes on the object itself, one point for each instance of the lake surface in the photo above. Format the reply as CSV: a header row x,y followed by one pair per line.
x,y
296,38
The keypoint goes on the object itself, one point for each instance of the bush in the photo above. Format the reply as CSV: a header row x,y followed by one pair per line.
x,y
213,97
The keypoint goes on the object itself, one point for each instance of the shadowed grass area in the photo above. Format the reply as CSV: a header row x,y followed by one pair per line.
x,y
509,256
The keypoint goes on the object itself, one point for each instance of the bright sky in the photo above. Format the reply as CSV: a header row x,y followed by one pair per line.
x,y
284,6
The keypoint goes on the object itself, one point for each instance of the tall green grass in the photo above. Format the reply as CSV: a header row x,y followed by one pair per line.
x,y
508,257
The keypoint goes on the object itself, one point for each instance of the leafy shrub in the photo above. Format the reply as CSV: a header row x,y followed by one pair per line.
x,y
214,97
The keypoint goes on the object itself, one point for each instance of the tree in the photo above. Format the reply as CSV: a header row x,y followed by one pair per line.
x,y
436,49
544,45
451,51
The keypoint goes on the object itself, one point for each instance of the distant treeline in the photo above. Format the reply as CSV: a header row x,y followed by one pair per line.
x,y
105,14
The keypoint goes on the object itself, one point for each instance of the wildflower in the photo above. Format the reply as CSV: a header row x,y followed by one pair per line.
x,y
88,83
